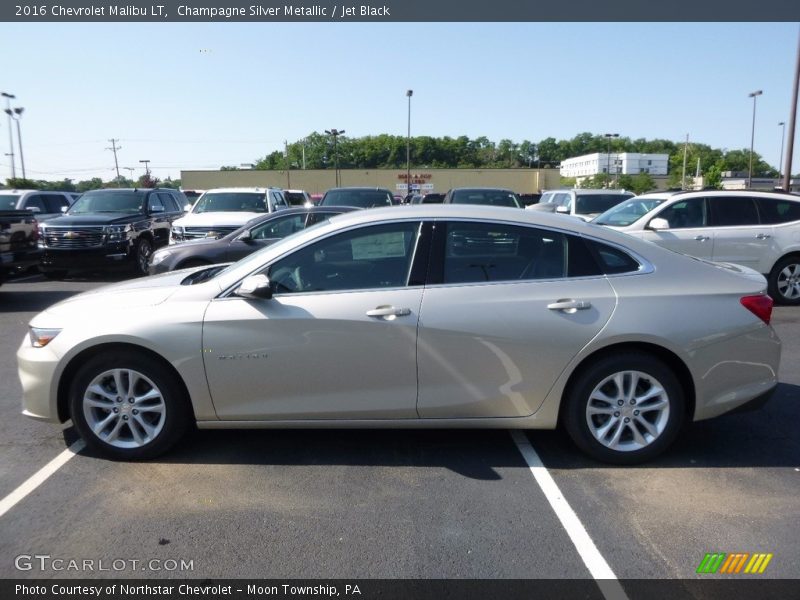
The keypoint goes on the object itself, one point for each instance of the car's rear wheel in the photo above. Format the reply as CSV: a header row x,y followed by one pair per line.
x,y
128,406
624,409
143,251
784,281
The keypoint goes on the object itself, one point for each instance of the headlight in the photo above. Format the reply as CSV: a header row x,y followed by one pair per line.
x,y
40,336
159,257
40,233
117,233
177,234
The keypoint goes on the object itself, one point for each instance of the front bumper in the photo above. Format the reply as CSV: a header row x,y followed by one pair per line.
x,y
37,373
108,256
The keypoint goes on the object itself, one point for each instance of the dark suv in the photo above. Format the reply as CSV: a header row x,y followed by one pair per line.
x,y
109,228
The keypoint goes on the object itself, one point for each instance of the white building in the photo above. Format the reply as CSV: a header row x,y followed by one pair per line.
x,y
623,163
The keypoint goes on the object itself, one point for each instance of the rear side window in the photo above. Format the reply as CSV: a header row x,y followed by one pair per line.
x,y
778,210
733,211
485,252
612,261
54,202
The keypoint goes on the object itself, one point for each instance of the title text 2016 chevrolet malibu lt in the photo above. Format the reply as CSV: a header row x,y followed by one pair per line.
x,y
434,316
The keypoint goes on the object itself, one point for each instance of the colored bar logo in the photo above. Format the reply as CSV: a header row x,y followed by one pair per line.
x,y
734,563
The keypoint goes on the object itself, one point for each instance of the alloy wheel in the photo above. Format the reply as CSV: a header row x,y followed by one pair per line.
x,y
788,282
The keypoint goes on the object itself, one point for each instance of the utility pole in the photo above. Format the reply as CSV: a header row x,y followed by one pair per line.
x,y
288,166
146,167
9,98
685,151
753,95
114,149
787,169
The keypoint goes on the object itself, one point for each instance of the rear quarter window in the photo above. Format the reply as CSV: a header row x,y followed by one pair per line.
x,y
773,211
611,260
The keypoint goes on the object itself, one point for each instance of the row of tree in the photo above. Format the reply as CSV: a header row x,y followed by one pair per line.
x,y
321,151
95,183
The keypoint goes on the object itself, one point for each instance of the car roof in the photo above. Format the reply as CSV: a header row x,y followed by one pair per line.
x,y
481,189
241,189
361,188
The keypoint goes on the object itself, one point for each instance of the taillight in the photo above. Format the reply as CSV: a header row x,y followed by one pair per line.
x,y
760,306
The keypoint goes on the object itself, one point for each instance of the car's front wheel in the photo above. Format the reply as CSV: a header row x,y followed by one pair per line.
x,y
128,406
784,281
143,251
624,409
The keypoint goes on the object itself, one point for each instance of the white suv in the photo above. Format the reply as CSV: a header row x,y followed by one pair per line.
x,y
222,210
760,230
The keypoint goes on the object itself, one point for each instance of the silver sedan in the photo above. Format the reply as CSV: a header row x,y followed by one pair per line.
x,y
434,316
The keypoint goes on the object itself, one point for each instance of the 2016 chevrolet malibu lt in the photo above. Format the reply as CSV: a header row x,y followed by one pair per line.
x,y
434,316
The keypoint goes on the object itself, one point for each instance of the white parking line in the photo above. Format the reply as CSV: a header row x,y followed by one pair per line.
x,y
594,561
39,477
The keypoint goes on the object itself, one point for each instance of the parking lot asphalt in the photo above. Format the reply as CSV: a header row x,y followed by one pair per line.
x,y
408,504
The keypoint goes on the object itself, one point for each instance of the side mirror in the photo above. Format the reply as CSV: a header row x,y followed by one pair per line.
x,y
255,287
562,209
658,224
246,237
34,209
64,209
156,209
187,208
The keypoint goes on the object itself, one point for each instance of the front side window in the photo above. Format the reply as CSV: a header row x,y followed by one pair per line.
x,y
588,204
35,201
154,203
686,214
733,211
279,228
374,257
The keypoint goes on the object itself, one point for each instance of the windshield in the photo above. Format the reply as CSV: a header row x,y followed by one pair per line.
x,y
104,201
487,197
628,212
295,198
358,198
589,204
8,201
232,202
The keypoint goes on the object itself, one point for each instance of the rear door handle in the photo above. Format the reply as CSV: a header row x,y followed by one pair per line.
x,y
570,305
763,236
701,238
388,311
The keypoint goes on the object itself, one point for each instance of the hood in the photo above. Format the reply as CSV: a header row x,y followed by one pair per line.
x,y
147,291
216,219
95,219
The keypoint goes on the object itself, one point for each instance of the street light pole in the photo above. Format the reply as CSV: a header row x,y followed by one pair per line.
x,y
608,137
335,133
9,98
752,95
782,125
146,167
409,93
787,169
17,116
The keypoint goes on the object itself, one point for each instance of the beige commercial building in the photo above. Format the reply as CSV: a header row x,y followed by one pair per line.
x,y
317,181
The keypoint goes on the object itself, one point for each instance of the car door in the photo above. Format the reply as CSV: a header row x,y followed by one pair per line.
x,y
501,318
739,236
336,341
689,231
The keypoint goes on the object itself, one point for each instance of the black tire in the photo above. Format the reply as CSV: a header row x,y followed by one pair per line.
x,y
56,274
141,257
787,267
176,415
577,399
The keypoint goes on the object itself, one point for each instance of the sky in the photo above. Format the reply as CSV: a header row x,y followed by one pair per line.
x,y
204,95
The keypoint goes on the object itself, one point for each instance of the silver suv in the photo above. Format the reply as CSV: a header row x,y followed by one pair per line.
x,y
584,204
760,230
43,204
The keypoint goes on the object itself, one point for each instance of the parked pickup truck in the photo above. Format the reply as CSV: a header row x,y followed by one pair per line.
x,y
18,238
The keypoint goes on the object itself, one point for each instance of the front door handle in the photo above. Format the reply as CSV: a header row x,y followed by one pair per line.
x,y
763,236
388,311
569,305
701,238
